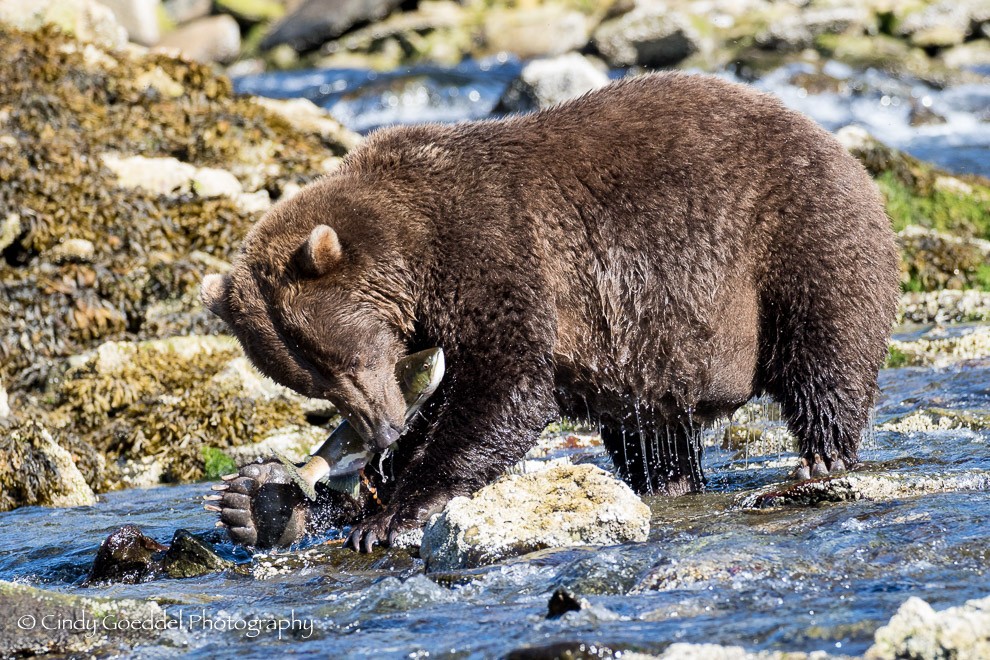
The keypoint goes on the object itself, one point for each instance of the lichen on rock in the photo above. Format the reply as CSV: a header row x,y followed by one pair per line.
x,y
563,506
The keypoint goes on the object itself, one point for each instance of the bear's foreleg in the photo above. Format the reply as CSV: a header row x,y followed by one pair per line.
x,y
489,418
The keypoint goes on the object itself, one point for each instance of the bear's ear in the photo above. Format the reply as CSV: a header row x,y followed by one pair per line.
x,y
320,251
213,294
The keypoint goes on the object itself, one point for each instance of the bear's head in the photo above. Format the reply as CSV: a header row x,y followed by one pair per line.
x,y
315,299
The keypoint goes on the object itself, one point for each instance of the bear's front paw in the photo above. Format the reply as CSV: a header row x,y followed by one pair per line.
x,y
260,506
382,528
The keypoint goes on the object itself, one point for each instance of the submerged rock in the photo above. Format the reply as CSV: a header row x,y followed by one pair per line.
x,y
563,506
855,486
919,632
36,470
22,608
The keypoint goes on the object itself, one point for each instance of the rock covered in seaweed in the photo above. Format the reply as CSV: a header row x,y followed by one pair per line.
x,y
176,399
563,506
37,470
62,107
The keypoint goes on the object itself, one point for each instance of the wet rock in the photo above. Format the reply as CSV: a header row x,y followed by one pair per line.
x,y
944,306
128,556
139,18
22,608
563,506
855,486
938,419
543,83
36,470
939,349
563,601
650,35
210,39
87,20
923,115
315,22
188,556
919,632
539,31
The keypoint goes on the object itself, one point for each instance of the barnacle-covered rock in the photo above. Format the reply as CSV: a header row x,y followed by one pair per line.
x,y
174,399
36,470
62,108
563,506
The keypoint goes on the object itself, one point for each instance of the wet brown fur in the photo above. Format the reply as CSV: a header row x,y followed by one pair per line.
x,y
651,256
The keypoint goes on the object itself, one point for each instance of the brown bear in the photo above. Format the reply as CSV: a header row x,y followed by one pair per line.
x,y
649,256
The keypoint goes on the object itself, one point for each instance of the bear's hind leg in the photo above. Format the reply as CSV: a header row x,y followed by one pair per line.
x,y
665,461
826,386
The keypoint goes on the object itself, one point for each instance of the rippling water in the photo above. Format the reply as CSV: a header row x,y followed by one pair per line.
x,y
364,100
796,578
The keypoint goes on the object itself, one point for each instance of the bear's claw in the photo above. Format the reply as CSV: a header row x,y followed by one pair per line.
x,y
808,470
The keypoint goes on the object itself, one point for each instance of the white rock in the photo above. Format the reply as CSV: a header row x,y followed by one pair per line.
x,y
88,20
919,632
4,405
212,39
562,78
306,116
10,229
159,176
213,182
549,29
564,506
139,18
75,250
72,489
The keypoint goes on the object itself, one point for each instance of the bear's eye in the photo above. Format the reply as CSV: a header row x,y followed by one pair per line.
x,y
354,364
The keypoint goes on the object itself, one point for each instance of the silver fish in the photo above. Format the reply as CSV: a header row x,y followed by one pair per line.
x,y
344,453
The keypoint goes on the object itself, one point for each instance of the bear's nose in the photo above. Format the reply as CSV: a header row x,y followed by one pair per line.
x,y
386,434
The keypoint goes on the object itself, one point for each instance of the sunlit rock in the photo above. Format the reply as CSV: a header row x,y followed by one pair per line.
x,y
563,506
919,632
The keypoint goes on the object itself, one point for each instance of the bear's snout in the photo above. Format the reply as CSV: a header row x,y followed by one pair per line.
x,y
385,434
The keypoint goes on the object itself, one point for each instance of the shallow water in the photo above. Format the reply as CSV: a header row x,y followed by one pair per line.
x,y
365,100
795,578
